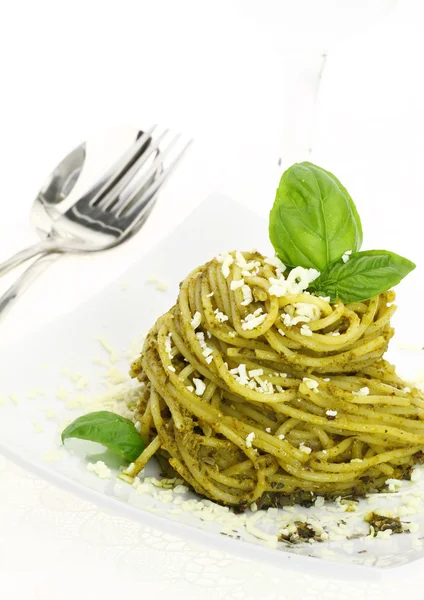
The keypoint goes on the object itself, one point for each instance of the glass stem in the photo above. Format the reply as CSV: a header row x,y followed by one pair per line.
x,y
302,78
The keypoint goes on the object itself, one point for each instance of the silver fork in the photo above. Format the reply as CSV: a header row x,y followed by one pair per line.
x,y
110,212
116,210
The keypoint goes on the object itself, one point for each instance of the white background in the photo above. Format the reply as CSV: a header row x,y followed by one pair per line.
x,y
217,71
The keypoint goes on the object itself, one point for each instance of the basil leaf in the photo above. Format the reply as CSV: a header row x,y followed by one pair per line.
x,y
365,275
107,428
313,220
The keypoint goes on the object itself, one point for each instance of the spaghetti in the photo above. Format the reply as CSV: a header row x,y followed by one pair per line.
x,y
253,394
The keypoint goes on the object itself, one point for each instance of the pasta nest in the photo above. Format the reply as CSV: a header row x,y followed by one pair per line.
x,y
251,396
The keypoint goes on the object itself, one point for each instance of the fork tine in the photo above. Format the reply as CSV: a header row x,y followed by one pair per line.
x,y
145,200
121,166
130,194
125,201
115,190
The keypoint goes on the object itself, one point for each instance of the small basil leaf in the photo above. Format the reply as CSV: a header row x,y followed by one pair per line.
x,y
313,220
363,276
107,428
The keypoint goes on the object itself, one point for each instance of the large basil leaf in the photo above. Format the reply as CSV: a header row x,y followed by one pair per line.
x,y
107,428
363,276
313,220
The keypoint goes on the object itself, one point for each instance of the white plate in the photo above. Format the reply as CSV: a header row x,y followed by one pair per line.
x,y
121,312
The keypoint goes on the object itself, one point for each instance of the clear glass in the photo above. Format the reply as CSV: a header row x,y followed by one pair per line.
x,y
309,32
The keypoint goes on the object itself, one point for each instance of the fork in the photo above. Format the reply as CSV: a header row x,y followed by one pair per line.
x,y
108,217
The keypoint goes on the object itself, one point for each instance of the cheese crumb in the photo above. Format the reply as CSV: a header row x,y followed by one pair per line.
x,y
168,345
206,350
253,320
100,469
356,460
226,260
196,320
331,413
364,391
274,261
281,436
303,309
346,256
310,383
304,330
220,317
236,284
319,502
247,295
200,386
393,485
268,429
249,439
281,332
384,535
210,295
297,281
161,286
256,373
304,448
240,374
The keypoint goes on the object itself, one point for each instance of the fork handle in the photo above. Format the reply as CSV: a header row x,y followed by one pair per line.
x,y
44,247
24,281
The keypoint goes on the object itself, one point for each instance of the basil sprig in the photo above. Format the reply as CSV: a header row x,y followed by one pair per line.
x,y
363,276
313,220
113,431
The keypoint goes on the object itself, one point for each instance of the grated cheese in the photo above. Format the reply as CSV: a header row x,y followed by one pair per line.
x,y
249,439
247,295
161,285
274,261
196,320
297,282
226,260
253,320
236,284
304,330
304,448
256,373
207,351
168,345
220,317
310,383
307,310
200,386
100,469
364,391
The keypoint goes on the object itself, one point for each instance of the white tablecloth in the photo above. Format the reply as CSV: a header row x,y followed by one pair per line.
x,y
215,71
